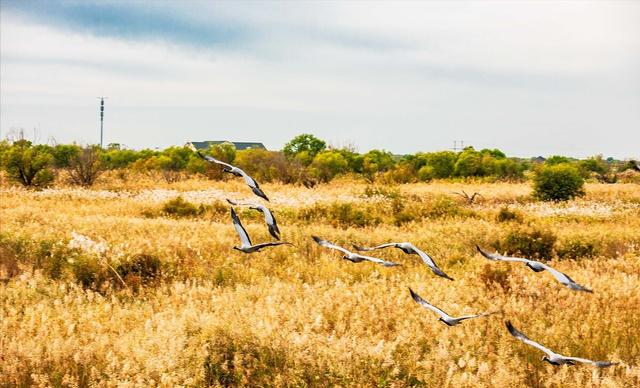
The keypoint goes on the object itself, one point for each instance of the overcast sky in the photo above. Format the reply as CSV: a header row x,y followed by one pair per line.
x,y
530,78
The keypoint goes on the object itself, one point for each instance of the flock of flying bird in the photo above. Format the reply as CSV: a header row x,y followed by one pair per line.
x,y
247,247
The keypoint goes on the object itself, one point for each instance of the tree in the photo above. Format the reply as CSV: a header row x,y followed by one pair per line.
x,y
327,164
469,163
304,148
376,161
86,166
559,182
556,159
442,163
63,153
29,165
594,164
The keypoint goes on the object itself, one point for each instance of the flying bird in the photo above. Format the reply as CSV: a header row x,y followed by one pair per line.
x,y
245,242
268,216
353,257
552,357
226,167
537,267
444,317
468,199
409,249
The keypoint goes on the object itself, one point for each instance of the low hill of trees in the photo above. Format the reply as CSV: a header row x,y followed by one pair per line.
x,y
304,160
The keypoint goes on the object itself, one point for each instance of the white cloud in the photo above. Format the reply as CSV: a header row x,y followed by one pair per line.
x,y
405,77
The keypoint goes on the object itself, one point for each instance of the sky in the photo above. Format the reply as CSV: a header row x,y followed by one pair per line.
x,y
529,78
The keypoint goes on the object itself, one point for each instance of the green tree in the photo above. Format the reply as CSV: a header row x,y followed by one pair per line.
x,y
63,154
376,161
469,163
304,148
558,182
327,164
556,159
595,164
442,163
29,165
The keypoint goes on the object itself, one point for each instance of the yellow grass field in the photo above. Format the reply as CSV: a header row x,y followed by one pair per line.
x,y
194,312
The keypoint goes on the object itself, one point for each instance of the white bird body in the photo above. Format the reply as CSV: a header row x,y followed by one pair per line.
x,y
245,241
237,172
444,317
537,267
353,257
269,219
410,249
552,357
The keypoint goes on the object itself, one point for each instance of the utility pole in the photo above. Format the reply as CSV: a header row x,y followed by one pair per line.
x,y
101,118
455,145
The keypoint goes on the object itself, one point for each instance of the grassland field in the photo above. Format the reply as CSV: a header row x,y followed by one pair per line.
x,y
111,286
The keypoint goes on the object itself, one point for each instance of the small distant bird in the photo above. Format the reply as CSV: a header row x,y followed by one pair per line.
x,y
552,357
245,242
226,167
409,249
468,199
444,317
537,267
268,216
353,257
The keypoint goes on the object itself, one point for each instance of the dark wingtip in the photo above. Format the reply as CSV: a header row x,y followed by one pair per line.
x,y
512,330
414,296
357,247
230,202
316,239
234,216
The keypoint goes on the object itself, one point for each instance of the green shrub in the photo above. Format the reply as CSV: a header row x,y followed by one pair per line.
x,y
178,207
576,249
559,182
88,271
142,269
505,215
443,207
340,214
529,243
29,165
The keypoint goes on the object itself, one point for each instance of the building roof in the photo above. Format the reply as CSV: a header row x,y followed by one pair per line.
x,y
240,145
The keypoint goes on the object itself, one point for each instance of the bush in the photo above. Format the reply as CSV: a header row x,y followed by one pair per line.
x,y
576,249
558,182
142,269
505,215
443,207
178,207
531,244
29,165
340,214
85,166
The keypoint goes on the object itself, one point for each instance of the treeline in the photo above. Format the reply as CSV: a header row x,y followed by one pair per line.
x,y
304,160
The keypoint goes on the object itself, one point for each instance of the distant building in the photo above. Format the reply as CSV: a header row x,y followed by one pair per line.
x,y
240,145
538,159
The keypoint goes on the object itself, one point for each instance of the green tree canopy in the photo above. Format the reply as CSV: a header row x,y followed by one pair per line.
x,y
305,143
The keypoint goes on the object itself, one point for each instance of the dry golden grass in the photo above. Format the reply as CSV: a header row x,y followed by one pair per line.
x,y
302,316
